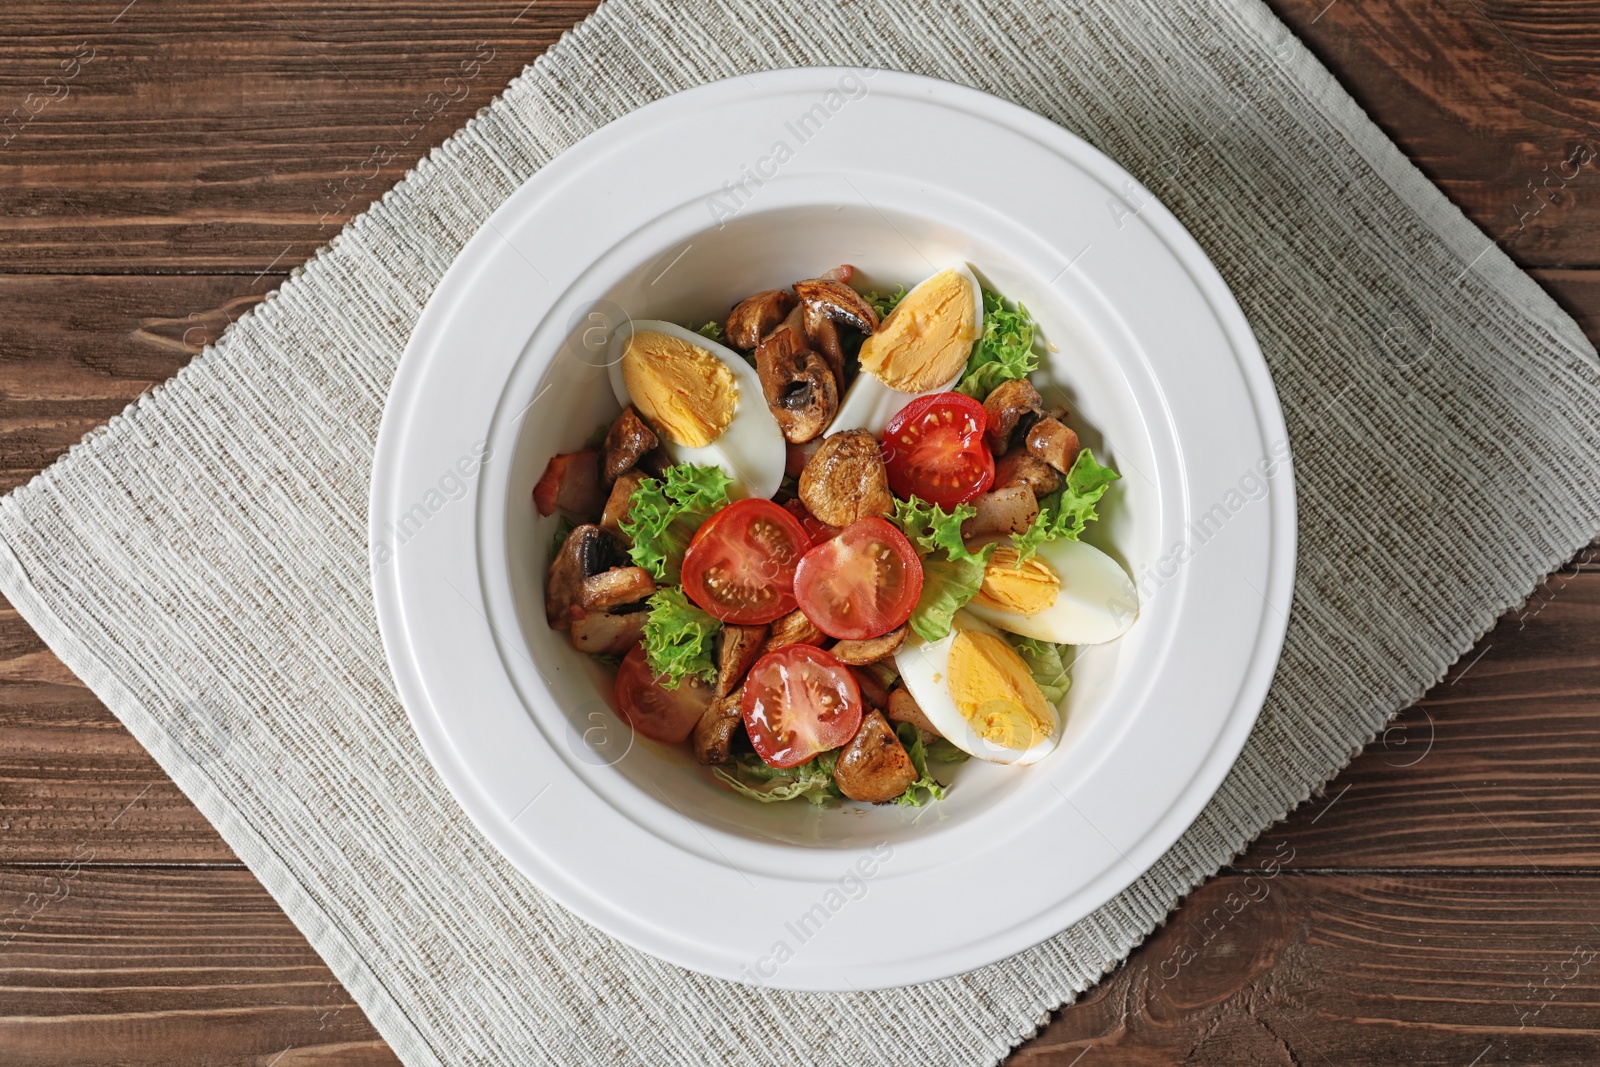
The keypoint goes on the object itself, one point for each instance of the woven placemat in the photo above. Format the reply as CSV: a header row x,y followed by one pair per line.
x,y
201,561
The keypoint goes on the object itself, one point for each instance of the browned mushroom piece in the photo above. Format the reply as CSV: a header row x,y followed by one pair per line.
x,y
1010,510
1012,403
1021,467
845,480
798,384
719,724
587,551
792,629
874,766
756,316
656,461
838,302
826,304
617,504
738,649
629,440
870,650
600,633
1054,442
903,707
616,588
823,335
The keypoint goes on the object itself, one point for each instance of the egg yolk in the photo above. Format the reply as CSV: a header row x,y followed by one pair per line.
x,y
927,338
685,392
995,692
1020,590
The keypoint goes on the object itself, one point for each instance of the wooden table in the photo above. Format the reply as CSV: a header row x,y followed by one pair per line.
x,y
1436,906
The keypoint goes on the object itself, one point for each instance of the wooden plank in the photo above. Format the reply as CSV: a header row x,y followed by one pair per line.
x,y
174,967
74,351
1277,966
216,137
73,781
1578,291
1495,768
1495,102
1291,968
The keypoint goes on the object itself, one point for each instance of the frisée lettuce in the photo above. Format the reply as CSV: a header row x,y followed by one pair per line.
x,y
665,512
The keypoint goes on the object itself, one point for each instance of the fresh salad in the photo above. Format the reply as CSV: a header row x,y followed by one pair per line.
x,y
833,540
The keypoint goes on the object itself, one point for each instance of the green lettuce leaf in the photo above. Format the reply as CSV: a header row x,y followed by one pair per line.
x,y
1004,351
664,513
1049,666
748,774
713,330
947,585
931,528
925,783
951,575
1065,512
885,304
942,751
679,639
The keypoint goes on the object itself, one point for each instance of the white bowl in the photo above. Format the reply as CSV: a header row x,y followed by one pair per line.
x,y
1150,352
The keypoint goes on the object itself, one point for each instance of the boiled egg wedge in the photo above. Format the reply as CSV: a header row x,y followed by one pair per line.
x,y
1068,592
703,400
921,347
976,690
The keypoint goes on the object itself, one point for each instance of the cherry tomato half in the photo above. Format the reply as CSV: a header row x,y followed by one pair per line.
x,y
654,711
934,449
740,565
799,701
861,583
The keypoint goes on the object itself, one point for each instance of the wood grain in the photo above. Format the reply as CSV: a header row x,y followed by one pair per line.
x,y
207,137
74,351
1437,902
1495,101
1350,969
1492,768
218,137
1274,966
163,967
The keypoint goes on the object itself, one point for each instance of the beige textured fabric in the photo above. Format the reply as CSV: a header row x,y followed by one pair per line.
x,y
201,561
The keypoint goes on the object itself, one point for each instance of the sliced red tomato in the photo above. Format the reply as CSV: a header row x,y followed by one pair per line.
x,y
861,583
740,565
799,701
934,449
654,711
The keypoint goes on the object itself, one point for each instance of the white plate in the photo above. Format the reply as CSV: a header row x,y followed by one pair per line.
x,y
675,212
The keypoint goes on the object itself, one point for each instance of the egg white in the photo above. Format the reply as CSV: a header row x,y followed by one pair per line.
x,y
869,404
1097,601
751,449
924,667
